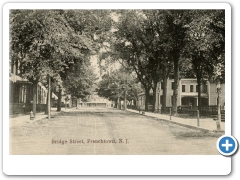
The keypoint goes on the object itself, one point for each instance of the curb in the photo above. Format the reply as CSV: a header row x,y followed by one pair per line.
x,y
184,125
45,116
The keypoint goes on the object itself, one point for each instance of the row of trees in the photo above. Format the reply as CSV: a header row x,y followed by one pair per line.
x,y
119,84
154,44
57,45
158,44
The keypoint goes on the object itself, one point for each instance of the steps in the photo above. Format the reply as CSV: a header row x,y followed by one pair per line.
x,y
222,115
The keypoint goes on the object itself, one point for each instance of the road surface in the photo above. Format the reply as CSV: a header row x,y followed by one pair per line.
x,y
107,131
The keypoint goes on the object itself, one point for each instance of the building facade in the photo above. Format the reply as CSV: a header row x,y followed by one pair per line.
x,y
21,93
94,100
187,94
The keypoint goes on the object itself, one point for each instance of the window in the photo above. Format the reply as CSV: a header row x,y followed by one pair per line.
x,y
191,88
183,88
196,88
172,85
22,94
39,95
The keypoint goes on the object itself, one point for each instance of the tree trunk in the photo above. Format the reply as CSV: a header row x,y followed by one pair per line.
x,y
199,93
125,99
146,98
164,100
176,84
118,103
51,101
46,110
154,97
59,99
34,109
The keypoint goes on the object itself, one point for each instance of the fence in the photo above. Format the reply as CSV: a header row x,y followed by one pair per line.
x,y
204,110
192,110
134,107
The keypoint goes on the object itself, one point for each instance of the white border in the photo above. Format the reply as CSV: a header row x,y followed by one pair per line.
x,y
114,165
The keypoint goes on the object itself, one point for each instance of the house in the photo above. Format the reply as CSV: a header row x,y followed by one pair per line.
x,y
187,94
21,93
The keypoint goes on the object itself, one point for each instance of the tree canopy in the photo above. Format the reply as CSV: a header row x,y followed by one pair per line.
x,y
150,45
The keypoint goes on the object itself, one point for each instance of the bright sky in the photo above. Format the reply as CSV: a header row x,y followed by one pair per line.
x,y
94,59
94,63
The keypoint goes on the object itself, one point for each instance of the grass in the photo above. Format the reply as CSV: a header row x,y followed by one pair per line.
x,y
200,134
191,116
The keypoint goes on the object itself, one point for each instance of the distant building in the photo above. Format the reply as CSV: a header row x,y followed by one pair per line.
x,y
187,94
95,101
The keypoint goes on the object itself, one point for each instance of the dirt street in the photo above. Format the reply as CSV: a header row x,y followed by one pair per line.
x,y
109,132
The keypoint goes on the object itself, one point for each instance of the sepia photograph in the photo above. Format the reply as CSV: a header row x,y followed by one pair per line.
x,y
116,81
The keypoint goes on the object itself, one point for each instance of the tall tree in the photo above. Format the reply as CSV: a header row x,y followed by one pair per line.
x,y
43,41
130,48
118,85
205,46
176,21
80,80
159,51
48,42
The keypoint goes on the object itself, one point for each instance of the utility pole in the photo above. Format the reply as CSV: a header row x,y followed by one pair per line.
x,y
49,97
219,106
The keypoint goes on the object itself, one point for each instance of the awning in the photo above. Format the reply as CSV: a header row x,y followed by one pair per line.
x,y
54,96
22,82
17,79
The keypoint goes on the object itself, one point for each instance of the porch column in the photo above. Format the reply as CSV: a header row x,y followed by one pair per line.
x,y
156,102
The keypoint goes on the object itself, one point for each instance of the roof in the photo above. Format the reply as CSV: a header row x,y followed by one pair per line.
x,y
15,78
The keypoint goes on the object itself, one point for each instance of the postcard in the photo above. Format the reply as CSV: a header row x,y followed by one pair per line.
x,y
117,89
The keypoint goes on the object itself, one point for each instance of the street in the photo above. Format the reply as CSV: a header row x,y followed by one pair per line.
x,y
108,131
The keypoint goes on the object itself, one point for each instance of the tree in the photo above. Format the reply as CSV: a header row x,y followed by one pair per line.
x,y
48,42
205,46
159,52
176,21
80,80
131,50
43,40
118,85
92,26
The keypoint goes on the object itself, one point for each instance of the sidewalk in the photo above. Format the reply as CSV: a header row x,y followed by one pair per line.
x,y
18,120
21,119
204,124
